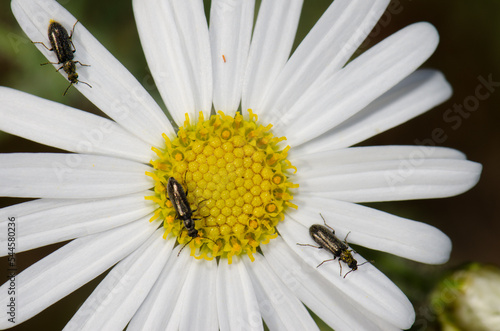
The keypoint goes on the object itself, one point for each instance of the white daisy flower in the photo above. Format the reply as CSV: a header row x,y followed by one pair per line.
x,y
246,183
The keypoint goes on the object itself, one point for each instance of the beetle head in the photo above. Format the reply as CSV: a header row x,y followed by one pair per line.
x,y
193,233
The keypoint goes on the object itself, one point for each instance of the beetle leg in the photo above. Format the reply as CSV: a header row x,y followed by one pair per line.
x,y
309,245
209,239
84,65
71,36
73,29
194,210
202,201
324,221
39,42
198,218
345,239
319,265
42,64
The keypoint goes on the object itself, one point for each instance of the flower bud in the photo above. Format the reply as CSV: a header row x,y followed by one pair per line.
x,y
469,299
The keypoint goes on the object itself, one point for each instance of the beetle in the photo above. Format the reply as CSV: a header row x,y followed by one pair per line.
x,y
61,44
325,237
178,197
181,205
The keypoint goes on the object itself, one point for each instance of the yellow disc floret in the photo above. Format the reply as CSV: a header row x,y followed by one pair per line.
x,y
236,180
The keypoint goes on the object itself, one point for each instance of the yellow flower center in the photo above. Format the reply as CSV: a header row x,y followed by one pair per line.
x,y
235,177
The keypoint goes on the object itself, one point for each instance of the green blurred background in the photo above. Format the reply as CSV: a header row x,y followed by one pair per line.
x,y
469,48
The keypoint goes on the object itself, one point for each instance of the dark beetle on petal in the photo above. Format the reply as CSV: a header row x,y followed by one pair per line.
x,y
325,237
61,44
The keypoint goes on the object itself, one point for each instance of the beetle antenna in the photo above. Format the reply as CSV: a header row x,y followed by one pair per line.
x,y
358,266
185,246
192,240
67,88
85,83
365,263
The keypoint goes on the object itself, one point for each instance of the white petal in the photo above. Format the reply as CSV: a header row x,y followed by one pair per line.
x,y
156,311
354,87
415,174
114,90
72,266
114,301
175,318
193,29
336,308
416,94
313,162
328,46
199,307
60,126
230,31
356,159
366,286
34,206
376,229
236,302
174,37
279,306
70,176
69,219
272,42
